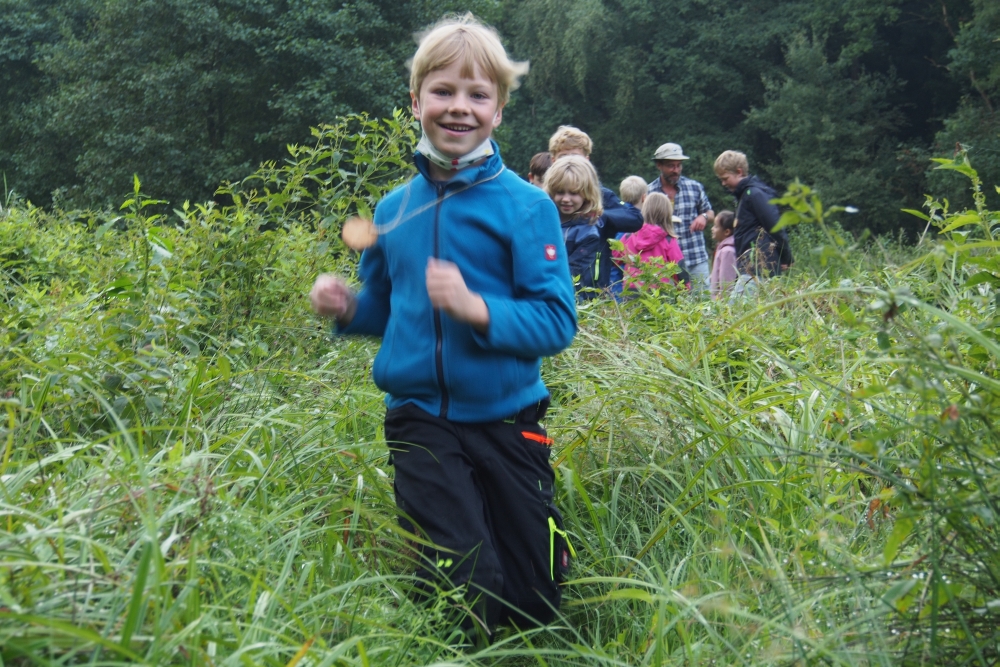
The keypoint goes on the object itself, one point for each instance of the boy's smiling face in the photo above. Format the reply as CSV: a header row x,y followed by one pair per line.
x,y
456,113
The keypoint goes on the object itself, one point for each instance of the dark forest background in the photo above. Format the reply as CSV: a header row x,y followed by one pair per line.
x,y
851,96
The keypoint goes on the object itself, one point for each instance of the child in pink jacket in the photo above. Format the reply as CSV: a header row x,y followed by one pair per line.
x,y
656,239
724,271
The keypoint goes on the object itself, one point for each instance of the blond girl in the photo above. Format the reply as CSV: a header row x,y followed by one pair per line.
x,y
656,240
572,184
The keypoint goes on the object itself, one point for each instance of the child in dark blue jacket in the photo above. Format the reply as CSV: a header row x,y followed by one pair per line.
x,y
572,183
468,286
761,252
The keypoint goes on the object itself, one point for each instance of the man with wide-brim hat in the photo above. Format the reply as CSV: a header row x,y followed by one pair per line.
x,y
691,206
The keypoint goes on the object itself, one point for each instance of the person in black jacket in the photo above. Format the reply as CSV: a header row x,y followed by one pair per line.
x,y
761,252
617,217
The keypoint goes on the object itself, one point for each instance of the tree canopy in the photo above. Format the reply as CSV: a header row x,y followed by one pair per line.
x,y
187,92
851,97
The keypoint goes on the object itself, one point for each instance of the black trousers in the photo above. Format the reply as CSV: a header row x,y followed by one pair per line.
x,y
483,495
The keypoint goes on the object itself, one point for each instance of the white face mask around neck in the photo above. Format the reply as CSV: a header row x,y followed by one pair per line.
x,y
427,149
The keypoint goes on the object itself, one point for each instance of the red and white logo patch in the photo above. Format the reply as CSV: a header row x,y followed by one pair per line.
x,y
550,252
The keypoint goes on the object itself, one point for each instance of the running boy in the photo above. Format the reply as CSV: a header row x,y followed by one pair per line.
x,y
467,283
760,252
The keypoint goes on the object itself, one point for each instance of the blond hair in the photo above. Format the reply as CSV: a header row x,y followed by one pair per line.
x,y
575,174
632,189
659,210
731,162
568,138
464,39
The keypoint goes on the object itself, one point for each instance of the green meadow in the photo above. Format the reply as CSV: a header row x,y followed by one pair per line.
x,y
193,473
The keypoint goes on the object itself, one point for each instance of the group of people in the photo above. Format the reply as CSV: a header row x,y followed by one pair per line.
x,y
468,282
661,224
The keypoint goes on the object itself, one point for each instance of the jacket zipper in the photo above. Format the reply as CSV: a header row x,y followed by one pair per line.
x,y
439,342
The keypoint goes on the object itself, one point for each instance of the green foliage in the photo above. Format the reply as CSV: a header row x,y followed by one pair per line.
x,y
829,248
191,472
944,466
351,165
852,97
825,92
975,126
841,137
625,78
144,357
187,93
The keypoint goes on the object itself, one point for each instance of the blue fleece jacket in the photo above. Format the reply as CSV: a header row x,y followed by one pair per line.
x,y
505,238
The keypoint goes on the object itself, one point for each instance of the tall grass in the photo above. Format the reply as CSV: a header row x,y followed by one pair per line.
x,y
191,472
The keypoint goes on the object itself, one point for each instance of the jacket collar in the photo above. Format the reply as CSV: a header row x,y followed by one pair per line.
x,y
580,221
745,185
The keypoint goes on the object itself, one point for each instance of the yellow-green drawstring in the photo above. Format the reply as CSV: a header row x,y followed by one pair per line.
x,y
553,529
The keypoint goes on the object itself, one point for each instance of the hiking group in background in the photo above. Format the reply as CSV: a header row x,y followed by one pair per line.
x,y
661,232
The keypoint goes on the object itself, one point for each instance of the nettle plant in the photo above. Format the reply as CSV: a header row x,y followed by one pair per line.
x,y
352,163
348,169
653,285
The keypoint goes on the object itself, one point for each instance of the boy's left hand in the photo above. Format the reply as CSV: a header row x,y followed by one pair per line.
x,y
448,292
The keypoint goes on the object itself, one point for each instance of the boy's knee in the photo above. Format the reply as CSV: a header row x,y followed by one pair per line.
x,y
475,578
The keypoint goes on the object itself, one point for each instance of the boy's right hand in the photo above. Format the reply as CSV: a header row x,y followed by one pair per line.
x,y
330,297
